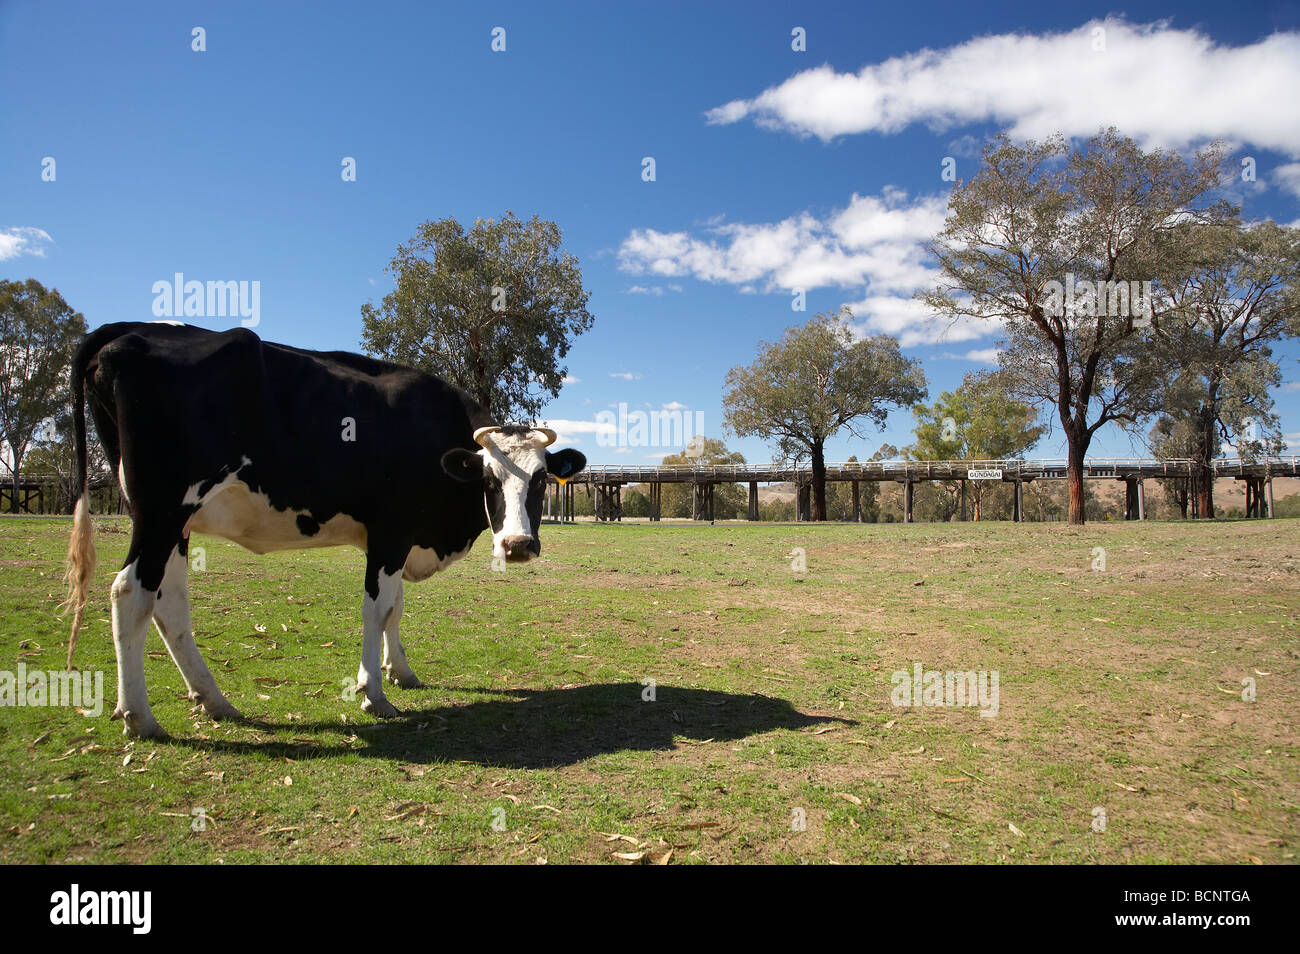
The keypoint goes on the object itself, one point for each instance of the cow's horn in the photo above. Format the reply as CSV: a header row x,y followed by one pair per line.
x,y
550,435
480,435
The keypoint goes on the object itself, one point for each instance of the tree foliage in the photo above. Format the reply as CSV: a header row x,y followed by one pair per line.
x,y
1230,292
978,421
818,379
39,333
1039,213
493,309
730,501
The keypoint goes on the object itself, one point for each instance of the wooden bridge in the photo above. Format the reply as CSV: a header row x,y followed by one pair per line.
x,y
606,481
47,493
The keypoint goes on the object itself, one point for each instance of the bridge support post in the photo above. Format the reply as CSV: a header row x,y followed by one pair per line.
x,y
857,504
656,494
1018,502
702,506
1142,500
753,500
963,498
1130,498
1268,482
907,501
803,503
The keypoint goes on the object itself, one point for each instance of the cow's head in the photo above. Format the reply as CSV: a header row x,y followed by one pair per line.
x,y
512,468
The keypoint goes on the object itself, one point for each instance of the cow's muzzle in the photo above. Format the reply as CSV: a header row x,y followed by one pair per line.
x,y
520,549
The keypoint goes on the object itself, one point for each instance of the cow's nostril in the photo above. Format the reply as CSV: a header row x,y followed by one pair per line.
x,y
517,548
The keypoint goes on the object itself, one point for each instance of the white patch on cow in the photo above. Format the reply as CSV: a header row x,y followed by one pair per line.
x,y
423,562
233,510
227,479
513,460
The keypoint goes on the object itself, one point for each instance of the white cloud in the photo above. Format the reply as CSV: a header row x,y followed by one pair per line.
x,y
656,290
570,379
876,241
1287,178
23,240
979,355
913,323
673,406
1290,386
568,430
626,375
967,147
1163,86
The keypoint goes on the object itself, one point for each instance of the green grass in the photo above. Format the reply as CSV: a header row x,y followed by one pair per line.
x,y
1119,690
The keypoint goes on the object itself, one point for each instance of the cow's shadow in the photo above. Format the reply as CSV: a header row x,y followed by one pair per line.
x,y
543,728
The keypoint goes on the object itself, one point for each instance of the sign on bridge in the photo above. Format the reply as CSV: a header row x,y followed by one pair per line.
x,y
993,473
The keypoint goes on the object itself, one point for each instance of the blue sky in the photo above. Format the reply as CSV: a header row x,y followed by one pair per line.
x,y
225,164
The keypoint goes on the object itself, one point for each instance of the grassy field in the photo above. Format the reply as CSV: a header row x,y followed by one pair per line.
x,y
1120,693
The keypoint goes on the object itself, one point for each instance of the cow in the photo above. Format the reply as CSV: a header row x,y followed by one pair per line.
x,y
280,448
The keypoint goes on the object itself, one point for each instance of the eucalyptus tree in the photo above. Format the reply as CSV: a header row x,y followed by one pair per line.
x,y
493,308
1058,245
39,333
820,377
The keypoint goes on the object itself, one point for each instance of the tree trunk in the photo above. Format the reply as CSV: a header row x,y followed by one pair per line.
x,y
1078,448
819,481
18,463
1204,473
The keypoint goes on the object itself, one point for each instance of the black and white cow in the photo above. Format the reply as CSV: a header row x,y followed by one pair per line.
x,y
278,448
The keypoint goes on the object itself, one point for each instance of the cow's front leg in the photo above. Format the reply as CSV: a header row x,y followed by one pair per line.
x,y
395,664
383,594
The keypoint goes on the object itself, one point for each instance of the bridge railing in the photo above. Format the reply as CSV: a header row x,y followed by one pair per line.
x,y
923,469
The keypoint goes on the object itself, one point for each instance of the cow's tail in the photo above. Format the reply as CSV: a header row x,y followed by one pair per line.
x,y
80,566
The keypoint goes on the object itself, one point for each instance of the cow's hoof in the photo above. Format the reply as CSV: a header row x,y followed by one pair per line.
x,y
139,726
405,680
381,708
222,711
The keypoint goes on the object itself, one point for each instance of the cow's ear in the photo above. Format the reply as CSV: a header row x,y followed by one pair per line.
x,y
565,463
463,465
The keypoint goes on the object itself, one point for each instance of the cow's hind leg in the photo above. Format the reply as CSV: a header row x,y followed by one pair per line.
x,y
171,614
383,591
135,596
133,604
395,664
